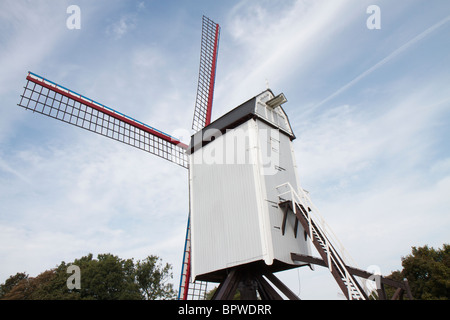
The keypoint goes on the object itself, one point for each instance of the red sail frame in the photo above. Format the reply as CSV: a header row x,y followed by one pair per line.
x,y
213,77
48,98
207,74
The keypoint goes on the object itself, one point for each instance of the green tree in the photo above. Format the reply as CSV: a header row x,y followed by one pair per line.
x,y
152,278
428,272
29,288
11,282
106,278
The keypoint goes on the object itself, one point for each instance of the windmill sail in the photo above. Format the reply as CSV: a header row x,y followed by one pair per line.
x,y
50,99
207,74
189,289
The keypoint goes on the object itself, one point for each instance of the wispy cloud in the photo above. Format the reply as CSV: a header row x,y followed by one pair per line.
x,y
120,28
4,166
385,60
79,201
127,22
22,43
346,141
275,43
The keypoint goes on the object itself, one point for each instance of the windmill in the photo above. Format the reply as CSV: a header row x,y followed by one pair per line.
x,y
248,215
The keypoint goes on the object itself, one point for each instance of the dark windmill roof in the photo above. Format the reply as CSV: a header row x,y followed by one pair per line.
x,y
257,107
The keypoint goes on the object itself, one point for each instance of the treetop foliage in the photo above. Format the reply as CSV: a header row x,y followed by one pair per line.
x,y
106,278
427,271
109,277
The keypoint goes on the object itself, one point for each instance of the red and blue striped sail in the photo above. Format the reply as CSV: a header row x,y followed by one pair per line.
x,y
48,98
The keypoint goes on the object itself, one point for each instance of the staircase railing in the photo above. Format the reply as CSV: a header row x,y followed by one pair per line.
x,y
322,234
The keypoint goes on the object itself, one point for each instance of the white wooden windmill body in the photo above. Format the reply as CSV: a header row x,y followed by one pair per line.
x,y
235,166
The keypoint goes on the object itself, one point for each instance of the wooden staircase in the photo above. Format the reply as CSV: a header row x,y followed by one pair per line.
x,y
332,258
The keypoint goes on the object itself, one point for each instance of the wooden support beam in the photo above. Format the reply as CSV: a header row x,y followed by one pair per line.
x,y
381,281
249,280
228,287
283,224
281,286
266,291
398,294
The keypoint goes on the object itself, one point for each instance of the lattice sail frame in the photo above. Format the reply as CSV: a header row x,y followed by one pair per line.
x,y
189,290
55,101
207,74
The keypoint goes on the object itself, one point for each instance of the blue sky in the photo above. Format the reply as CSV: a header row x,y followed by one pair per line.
x,y
370,109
